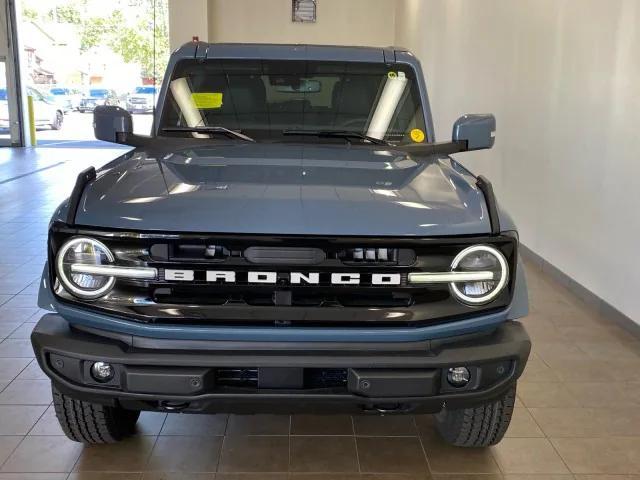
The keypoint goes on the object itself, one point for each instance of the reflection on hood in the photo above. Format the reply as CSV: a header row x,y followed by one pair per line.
x,y
287,189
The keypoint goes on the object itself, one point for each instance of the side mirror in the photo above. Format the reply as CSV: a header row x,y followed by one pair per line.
x,y
112,124
477,131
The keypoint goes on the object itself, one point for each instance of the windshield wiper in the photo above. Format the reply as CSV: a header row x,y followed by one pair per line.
x,y
337,134
211,129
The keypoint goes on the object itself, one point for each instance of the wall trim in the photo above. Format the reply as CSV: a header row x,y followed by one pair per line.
x,y
603,307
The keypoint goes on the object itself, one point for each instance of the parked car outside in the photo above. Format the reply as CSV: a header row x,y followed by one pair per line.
x,y
98,96
67,97
142,99
289,239
46,112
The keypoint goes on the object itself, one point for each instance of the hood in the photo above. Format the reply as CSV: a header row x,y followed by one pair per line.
x,y
285,189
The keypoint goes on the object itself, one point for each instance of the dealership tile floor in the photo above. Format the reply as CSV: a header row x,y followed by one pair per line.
x,y
577,415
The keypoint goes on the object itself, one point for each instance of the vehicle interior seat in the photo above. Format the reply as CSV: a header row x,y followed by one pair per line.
x,y
353,98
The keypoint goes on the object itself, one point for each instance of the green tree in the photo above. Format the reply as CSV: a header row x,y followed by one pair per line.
x,y
29,14
148,42
65,14
138,33
97,31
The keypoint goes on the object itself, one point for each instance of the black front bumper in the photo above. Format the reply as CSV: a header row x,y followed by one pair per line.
x,y
289,377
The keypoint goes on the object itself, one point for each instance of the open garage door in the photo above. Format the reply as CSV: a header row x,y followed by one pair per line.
x,y
78,54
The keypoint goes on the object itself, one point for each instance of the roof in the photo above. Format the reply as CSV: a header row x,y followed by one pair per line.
x,y
204,50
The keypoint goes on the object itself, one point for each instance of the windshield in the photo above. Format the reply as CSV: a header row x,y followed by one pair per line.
x,y
265,99
146,90
37,96
98,93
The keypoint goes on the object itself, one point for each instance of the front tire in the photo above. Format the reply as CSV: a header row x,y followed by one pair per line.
x,y
479,426
93,423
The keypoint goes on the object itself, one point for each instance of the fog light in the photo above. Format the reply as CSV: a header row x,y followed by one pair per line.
x,y
458,376
102,372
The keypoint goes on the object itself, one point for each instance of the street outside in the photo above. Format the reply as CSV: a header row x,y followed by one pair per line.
x,y
79,126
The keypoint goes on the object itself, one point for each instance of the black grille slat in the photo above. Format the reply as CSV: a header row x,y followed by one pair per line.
x,y
284,256
310,298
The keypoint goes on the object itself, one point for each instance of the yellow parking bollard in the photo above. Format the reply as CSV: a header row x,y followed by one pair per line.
x,y
32,121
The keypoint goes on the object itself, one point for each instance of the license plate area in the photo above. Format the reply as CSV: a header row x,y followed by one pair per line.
x,y
285,378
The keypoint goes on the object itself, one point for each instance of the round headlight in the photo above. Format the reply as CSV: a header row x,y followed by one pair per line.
x,y
89,252
480,258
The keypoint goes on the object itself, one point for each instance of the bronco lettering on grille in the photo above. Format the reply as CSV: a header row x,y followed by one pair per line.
x,y
295,278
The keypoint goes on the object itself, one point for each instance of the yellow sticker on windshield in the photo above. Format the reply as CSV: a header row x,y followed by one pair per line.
x,y
392,75
207,100
417,135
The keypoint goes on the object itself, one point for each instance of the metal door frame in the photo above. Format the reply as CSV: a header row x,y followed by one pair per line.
x,y
16,99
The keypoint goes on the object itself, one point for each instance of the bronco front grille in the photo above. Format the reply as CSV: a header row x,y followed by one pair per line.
x,y
284,280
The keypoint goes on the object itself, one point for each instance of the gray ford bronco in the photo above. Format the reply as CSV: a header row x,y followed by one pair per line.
x,y
290,238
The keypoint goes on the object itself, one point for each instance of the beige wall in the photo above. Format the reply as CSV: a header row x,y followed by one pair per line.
x,y
563,78
187,19
340,22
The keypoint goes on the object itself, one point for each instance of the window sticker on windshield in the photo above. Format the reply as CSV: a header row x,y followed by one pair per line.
x,y
207,100
417,135
392,75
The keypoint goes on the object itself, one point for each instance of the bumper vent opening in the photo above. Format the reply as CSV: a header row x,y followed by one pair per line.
x,y
325,377
237,377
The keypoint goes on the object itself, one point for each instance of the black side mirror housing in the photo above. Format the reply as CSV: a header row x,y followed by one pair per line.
x,y
477,131
112,124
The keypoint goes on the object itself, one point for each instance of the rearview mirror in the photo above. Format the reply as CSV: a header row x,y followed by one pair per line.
x,y
112,124
305,85
477,131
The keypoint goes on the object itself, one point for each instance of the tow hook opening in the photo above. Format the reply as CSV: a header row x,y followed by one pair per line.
x,y
173,406
387,409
